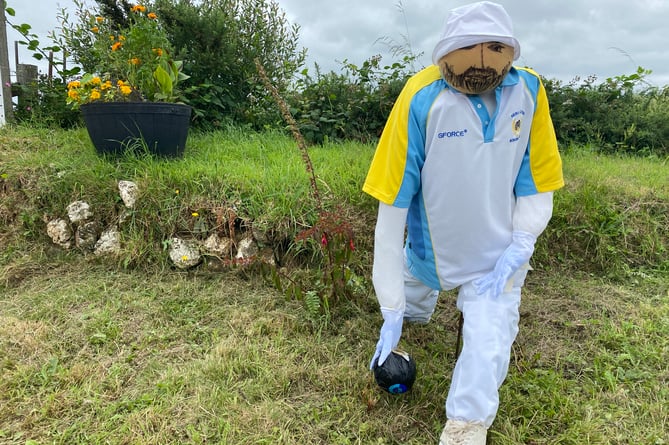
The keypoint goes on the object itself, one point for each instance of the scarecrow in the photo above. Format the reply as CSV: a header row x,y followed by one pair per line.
x,y
465,168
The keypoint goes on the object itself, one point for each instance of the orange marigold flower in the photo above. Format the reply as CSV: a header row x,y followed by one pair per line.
x,y
95,94
73,94
152,15
135,61
99,19
126,90
158,51
138,8
96,81
74,84
105,86
116,46
95,29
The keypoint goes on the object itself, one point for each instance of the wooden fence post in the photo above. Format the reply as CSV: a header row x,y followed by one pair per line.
x,y
6,106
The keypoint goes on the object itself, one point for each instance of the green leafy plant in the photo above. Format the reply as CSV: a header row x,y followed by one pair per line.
x,y
32,43
42,104
130,61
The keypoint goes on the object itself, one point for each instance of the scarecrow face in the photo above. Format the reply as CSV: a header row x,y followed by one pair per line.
x,y
477,68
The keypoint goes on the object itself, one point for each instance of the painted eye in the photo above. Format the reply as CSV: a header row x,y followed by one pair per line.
x,y
497,47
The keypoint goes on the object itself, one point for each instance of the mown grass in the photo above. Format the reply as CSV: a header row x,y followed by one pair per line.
x,y
135,352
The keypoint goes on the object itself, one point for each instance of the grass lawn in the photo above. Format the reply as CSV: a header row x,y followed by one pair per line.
x,y
134,351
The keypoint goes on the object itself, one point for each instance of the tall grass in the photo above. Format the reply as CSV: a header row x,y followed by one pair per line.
x,y
613,216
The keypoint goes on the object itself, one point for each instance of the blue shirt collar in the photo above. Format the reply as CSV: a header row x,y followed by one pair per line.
x,y
511,78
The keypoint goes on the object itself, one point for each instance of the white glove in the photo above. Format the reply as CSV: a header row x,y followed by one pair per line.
x,y
518,253
390,334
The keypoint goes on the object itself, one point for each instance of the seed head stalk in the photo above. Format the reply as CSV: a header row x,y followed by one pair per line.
x,y
301,144
331,230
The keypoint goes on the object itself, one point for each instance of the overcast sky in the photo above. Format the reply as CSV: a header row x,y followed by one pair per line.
x,y
561,39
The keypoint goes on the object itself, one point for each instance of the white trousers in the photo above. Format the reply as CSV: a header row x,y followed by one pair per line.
x,y
490,328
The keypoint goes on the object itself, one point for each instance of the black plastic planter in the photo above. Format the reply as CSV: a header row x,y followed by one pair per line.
x,y
117,127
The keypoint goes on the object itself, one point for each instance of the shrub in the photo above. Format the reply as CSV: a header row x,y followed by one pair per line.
x,y
623,114
353,105
43,104
219,41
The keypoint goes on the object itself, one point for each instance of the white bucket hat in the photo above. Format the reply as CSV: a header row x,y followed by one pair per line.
x,y
475,23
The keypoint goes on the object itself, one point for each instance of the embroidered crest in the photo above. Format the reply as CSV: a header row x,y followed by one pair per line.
x,y
515,126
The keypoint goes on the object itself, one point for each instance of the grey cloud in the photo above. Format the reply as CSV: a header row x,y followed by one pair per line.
x,y
560,39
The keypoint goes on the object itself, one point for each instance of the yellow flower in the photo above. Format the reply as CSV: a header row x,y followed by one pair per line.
x,y
184,258
133,53
195,214
74,84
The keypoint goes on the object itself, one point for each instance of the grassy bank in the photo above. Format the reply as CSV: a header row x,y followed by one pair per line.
x,y
132,351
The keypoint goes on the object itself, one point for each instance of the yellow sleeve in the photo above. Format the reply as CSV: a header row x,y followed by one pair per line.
x,y
545,161
387,170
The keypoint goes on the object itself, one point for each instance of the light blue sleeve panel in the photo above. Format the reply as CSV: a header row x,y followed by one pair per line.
x,y
419,113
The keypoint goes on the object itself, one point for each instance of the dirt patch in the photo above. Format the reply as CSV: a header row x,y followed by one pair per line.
x,y
23,338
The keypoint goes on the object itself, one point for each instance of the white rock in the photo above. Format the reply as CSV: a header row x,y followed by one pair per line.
x,y
219,246
109,242
246,248
60,232
128,191
184,254
79,211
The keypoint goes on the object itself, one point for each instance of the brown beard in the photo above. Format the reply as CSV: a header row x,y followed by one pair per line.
x,y
474,80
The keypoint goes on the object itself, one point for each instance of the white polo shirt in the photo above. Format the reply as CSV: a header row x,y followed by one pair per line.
x,y
458,170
